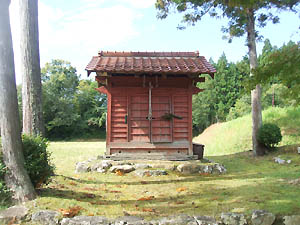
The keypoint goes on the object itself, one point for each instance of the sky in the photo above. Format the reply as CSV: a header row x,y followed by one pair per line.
x,y
75,30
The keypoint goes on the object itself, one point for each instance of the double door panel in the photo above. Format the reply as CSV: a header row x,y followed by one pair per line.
x,y
147,122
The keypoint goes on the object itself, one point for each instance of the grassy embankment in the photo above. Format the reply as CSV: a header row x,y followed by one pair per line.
x,y
251,183
235,136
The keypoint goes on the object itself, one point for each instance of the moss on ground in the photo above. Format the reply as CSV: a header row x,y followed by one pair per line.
x,y
251,183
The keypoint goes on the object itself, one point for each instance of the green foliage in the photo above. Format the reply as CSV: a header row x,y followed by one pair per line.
x,y
4,192
281,65
72,107
237,11
220,93
242,107
60,83
37,159
269,135
91,106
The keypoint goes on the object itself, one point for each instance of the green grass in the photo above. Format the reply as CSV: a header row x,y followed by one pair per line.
x,y
250,183
235,136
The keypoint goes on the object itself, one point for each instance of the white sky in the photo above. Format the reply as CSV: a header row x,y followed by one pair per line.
x,y
75,30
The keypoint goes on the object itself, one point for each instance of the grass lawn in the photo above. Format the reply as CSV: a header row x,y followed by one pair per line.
x,y
235,136
251,183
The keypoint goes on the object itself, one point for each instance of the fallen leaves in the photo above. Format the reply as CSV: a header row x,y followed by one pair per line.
x,y
90,189
70,212
148,210
120,172
181,189
179,202
112,191
148,198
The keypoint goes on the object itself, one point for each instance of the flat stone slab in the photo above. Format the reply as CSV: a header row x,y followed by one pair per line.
x,y
205,220
261,217
122,168
46,217
292,220
233,219
14,212
86,220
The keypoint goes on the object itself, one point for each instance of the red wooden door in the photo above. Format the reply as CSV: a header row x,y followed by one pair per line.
x,y
139,124
161,129
156,129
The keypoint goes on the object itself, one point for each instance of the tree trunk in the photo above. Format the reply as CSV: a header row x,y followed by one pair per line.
x,y
17,178
256,93
30,66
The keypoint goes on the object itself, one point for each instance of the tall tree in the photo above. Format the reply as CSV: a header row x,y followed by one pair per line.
x,y
243,16
17,178
30,66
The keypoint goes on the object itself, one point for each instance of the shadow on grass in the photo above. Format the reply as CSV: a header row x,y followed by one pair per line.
x,y
248,197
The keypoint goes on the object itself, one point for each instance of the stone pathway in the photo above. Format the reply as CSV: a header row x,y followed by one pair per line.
x,y
47,217
149,168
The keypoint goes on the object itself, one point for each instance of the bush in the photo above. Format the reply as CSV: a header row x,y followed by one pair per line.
x,y
269,135
4,192
37,160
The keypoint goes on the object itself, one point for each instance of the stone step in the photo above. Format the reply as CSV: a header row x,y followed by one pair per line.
x,y
150,156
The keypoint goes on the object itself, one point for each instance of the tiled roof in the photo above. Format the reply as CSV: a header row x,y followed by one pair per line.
x,y
150,62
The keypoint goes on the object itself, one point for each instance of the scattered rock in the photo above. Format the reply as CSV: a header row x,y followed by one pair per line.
x,y
298,149
150,173
295,182
95,166
261,217
17,212
46,217
292,220
102,166
288,161
233,219
188,168
122,168
171,167
82,167
177,220
206,169
279,160
205,220
219,169
85,220
100,170
141,166
130,220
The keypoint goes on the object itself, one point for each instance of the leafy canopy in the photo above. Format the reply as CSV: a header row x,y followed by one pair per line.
x,y
281,65
235,10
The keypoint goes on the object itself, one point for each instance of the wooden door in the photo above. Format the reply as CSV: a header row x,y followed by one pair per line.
x,y
161,129
139,123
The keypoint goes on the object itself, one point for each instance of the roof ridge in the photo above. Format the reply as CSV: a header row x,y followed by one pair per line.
x,y
147,54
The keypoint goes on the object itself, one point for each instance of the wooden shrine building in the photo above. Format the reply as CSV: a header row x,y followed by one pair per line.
x,y
149,94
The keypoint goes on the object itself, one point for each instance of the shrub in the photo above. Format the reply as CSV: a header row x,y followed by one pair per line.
x,y
37,159
4,192
269,135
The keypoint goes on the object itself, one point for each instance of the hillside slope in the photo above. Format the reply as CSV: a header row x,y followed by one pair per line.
x,y
235,136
